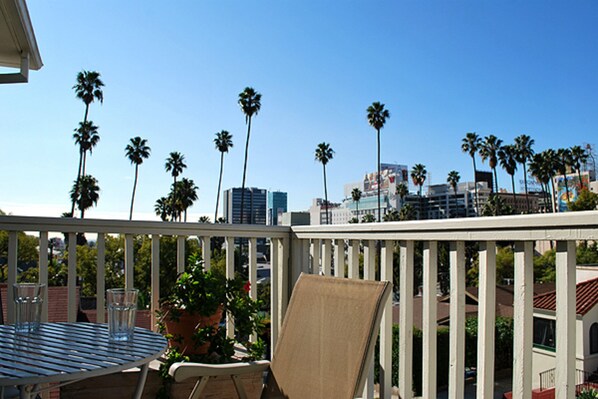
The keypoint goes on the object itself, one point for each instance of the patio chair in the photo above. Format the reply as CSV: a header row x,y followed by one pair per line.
x,y
325,346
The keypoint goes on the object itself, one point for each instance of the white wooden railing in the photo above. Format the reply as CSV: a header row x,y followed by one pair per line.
x,y
321,249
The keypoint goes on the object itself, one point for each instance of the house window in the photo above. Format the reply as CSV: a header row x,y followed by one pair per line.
x,y
545,333
594,338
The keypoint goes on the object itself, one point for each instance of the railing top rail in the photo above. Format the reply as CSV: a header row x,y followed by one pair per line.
x,y
561,226
70,225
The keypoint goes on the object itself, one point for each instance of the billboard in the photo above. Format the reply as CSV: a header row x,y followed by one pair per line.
x,y
574,187
390,175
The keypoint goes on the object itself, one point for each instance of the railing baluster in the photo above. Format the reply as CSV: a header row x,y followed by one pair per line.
x,y
12,274
315,256
72,279
339,258
129,261
155,278
486,320
565,319
457,320
43,271
406,320
101,278
429,321
369,274
180,254
300,263
523,320
275,271
326,257
230,273
206,252
284,277
386,266
353,256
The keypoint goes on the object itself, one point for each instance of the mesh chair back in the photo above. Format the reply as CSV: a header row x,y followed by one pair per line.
x,y
327,338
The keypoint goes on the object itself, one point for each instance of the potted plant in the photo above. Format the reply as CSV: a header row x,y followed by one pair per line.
x,y
192,318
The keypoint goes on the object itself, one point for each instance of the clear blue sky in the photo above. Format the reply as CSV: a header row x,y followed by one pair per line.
x,y
173,72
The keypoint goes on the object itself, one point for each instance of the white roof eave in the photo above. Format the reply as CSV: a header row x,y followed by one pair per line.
x,y
17,36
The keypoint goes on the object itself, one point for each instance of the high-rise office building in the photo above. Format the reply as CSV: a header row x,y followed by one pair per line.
x,y
276,205
254,205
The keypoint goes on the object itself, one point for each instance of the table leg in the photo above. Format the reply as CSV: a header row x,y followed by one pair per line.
x,y
141,381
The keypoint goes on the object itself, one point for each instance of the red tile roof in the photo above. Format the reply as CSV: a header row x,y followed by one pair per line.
x,y
586,298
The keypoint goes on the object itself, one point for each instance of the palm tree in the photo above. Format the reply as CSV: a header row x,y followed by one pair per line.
x,y
418,175
88,89
377,117
506,156
564,161
407,213
186,194
175,164
523,153
402,190
368,218
489,148
356,196
204,219
539,168
392,216
137,150
250,102
86,137
579,156
453,180
163,208
223,141
470,144
85,193
323,155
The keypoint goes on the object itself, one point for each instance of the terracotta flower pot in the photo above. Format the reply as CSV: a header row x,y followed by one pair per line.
x,y
186,326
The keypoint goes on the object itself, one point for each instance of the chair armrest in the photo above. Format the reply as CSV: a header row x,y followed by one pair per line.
x,y
185,370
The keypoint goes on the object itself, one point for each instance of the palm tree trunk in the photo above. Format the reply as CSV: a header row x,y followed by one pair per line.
x,y
245,166
133,195
219,183
84,163
579,175
325,195
77,184
378,175
513,186
475,185
525,183
553,202
495,180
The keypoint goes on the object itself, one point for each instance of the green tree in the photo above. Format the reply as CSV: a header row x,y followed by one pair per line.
x,y
453,180
324,153
585,201
86,137
471,144
186,195
377,117
418,176
136,151
250,102
223,142
402,190
392,216
523,153
508,161
579,156
368,218
489,151
175,164
86,193
163,208
496,206
543,167
356,197
407,212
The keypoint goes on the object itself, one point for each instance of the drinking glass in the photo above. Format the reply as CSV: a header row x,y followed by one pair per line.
x,y
28,298
122,304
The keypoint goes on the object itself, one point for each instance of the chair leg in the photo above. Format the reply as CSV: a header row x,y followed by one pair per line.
x,y
199,387
239,386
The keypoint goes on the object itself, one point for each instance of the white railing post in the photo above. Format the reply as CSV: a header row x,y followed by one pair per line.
x,y
429,321
72,279
206,252
523,320
386,266
326,257
275,271
101,278
180,254
457,320
565,319
300,259
353,256
315,256
155,279
406,320
486,320
129,261
13,244
43,271
339,258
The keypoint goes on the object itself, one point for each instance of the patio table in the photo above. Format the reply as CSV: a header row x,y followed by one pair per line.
x,y
68,352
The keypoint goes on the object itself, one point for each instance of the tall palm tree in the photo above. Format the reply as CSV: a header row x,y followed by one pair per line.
x,y
579,156
489,148
542,171
163,208
564,161
137,150
186,195
175,164
402,190
471,144
88,89
550,164
356,196
223,141
523,153
323,155
250,102
85,193
86,137
377,117
506,156
418,176
453,180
